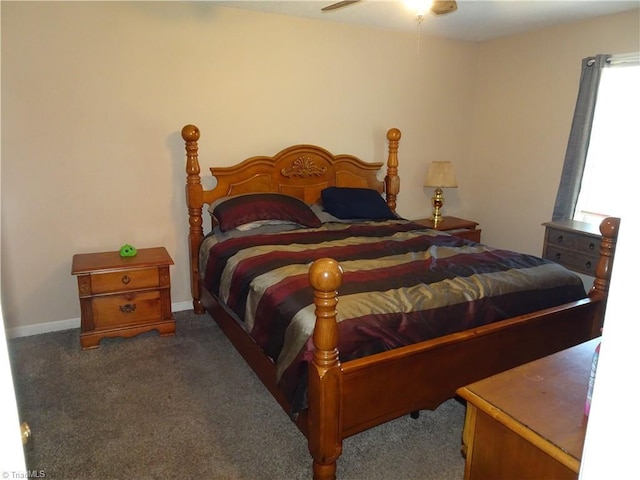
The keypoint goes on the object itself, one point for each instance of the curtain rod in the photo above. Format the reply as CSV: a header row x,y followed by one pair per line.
x,y
621,58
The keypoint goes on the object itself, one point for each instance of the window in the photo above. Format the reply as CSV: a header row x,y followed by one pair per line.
x,y
614,145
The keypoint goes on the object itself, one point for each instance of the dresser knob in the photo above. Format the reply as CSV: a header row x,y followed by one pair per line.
x,y
588,264
592,246
128,308
126,279
560,238
558,255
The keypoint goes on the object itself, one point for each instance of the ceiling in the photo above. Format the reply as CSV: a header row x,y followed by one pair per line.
x,y
475,20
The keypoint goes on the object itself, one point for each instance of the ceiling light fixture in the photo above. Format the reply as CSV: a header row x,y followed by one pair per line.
x,y
420,7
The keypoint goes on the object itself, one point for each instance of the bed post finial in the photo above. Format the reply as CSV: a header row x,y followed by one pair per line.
x,y
325,374
191,135
392,180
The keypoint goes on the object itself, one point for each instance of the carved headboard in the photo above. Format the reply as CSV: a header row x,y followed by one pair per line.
x,y
301,171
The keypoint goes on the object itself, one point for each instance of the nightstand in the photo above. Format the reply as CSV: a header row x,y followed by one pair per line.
x,y
123,296
455,226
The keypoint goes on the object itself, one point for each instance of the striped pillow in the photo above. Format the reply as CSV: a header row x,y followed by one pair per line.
x,y
236,211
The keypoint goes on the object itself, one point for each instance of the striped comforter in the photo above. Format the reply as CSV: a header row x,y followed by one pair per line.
x,y
402,284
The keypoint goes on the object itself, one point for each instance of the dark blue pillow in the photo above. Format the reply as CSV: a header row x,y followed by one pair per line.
x,y
360,203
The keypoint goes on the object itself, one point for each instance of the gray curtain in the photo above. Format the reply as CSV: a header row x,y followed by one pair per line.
x,y
578,145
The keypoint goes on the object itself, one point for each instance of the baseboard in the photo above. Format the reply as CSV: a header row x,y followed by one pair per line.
x,y
180,306
47,327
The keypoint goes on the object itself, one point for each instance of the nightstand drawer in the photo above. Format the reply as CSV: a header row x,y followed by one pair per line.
x,y
125,309
573,260
573,241
473,235
124,280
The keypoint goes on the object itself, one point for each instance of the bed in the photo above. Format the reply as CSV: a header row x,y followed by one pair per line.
x,y
271,283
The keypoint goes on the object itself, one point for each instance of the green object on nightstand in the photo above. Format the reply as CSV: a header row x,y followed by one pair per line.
x,y
128,250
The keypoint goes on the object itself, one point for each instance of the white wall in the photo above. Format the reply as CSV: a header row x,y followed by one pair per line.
x,y
526,92
95,96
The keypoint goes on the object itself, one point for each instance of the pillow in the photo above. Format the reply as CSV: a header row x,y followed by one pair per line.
x,y
363,203
232,212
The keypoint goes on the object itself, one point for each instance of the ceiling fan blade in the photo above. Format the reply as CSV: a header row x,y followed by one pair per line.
x,y
442,7
338,5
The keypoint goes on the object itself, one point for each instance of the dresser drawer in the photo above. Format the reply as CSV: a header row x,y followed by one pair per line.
x,y
575,242
126,309
575,261
124,280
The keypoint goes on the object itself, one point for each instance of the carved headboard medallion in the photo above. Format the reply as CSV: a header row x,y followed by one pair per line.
x,y
303,167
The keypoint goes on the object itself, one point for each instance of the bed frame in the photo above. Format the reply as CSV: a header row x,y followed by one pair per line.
x,y
347,398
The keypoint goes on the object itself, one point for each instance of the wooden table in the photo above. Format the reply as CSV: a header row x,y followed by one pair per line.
x,y
529,422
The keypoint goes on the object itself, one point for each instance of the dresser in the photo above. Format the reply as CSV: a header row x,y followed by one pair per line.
x,y
573,244
458,227
123,296
528,423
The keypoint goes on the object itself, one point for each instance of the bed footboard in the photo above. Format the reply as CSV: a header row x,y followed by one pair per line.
x,y
340,396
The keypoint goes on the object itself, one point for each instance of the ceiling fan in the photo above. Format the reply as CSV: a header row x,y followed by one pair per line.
x,y
438,7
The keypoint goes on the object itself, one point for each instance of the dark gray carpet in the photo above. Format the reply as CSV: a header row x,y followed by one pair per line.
x,y
189,407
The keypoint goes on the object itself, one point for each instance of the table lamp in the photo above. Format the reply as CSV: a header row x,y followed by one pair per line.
x,y
440,175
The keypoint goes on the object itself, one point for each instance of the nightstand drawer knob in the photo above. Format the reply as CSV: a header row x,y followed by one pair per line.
x,y
126,279
558,255
592,246
560,238
128,308
588,264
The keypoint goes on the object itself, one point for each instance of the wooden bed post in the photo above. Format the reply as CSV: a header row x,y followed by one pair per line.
x,y
392,180
325,374
191,135
609,230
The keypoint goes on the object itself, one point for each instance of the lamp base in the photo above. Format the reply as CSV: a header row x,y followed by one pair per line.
x,y
437,201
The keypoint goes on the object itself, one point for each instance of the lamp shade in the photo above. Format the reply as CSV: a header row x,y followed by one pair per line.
x,y
441,175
